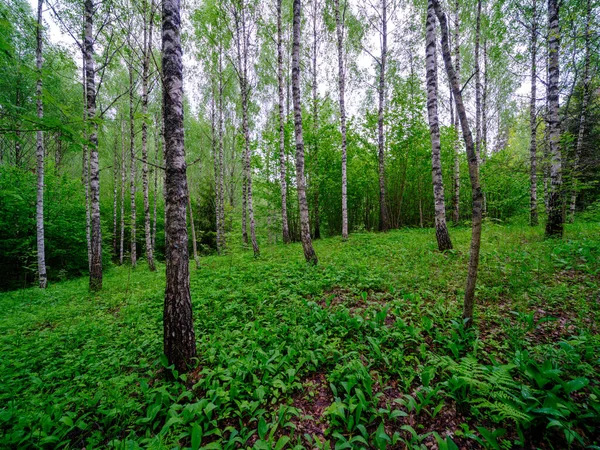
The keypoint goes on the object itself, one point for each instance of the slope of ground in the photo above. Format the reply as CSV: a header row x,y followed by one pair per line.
x,y
366,350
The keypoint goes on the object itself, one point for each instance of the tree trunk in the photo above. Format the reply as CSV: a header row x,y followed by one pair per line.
x,y
478,83
533,212
41,254
157,145
484,96
456,193
85,171
96,237
145,75
243,48
383,214
315,104
582,116
309,252
179,336
115,248
282,158
473,170
215,153
554,224
193,227
123,178
132,169
341,79
221,177
441,230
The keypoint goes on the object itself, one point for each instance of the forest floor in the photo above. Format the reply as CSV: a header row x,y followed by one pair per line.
x,y
366,350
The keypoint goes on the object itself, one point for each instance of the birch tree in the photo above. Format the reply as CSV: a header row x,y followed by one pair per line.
x,y
441,229
179,336
554,223
309,252
41,253
477,196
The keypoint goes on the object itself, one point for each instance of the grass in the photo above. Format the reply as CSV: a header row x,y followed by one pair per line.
x,y
366,350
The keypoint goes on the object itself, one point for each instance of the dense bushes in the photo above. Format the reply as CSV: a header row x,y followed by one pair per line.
x,y
64,221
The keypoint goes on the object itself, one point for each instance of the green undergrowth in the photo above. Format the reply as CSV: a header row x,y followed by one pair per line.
x,y
366,350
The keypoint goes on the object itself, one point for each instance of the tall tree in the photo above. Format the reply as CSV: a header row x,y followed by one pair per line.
x,y
533,213
384,223
179,336
309,252
456,177
477,196
554,224
339,26
242,29
584,106
123,181
147,49
441,229
132,164
315,128
478,82
41,253
90,82
282,156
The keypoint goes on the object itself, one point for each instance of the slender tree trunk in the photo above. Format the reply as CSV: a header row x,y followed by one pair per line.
x,y
132,170
533,212
123,185
155,192
41,253
554,225
477,196
179,336
85,172
282,158
456,193
582,116
215,152
484,97
441,230
342,82
243,48
478,83
96,236
309,252
315,105
145,75
115,248
221,175
193,226
384,224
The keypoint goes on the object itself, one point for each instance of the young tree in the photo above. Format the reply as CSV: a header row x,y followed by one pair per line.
x,y
456,193
584,106
384,223
339,26
554,224
90,83
242,32
132,162
147,49
41,254
309,252
282,156
533,213
441,229
123,180
179,336
477,196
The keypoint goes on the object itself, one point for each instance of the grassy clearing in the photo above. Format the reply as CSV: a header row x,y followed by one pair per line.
x,y
365,350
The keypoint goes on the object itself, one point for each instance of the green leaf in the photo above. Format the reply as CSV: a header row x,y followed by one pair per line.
x,y
196,436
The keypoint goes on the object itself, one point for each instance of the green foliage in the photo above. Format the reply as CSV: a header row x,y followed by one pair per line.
x,y
367,347
64,221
